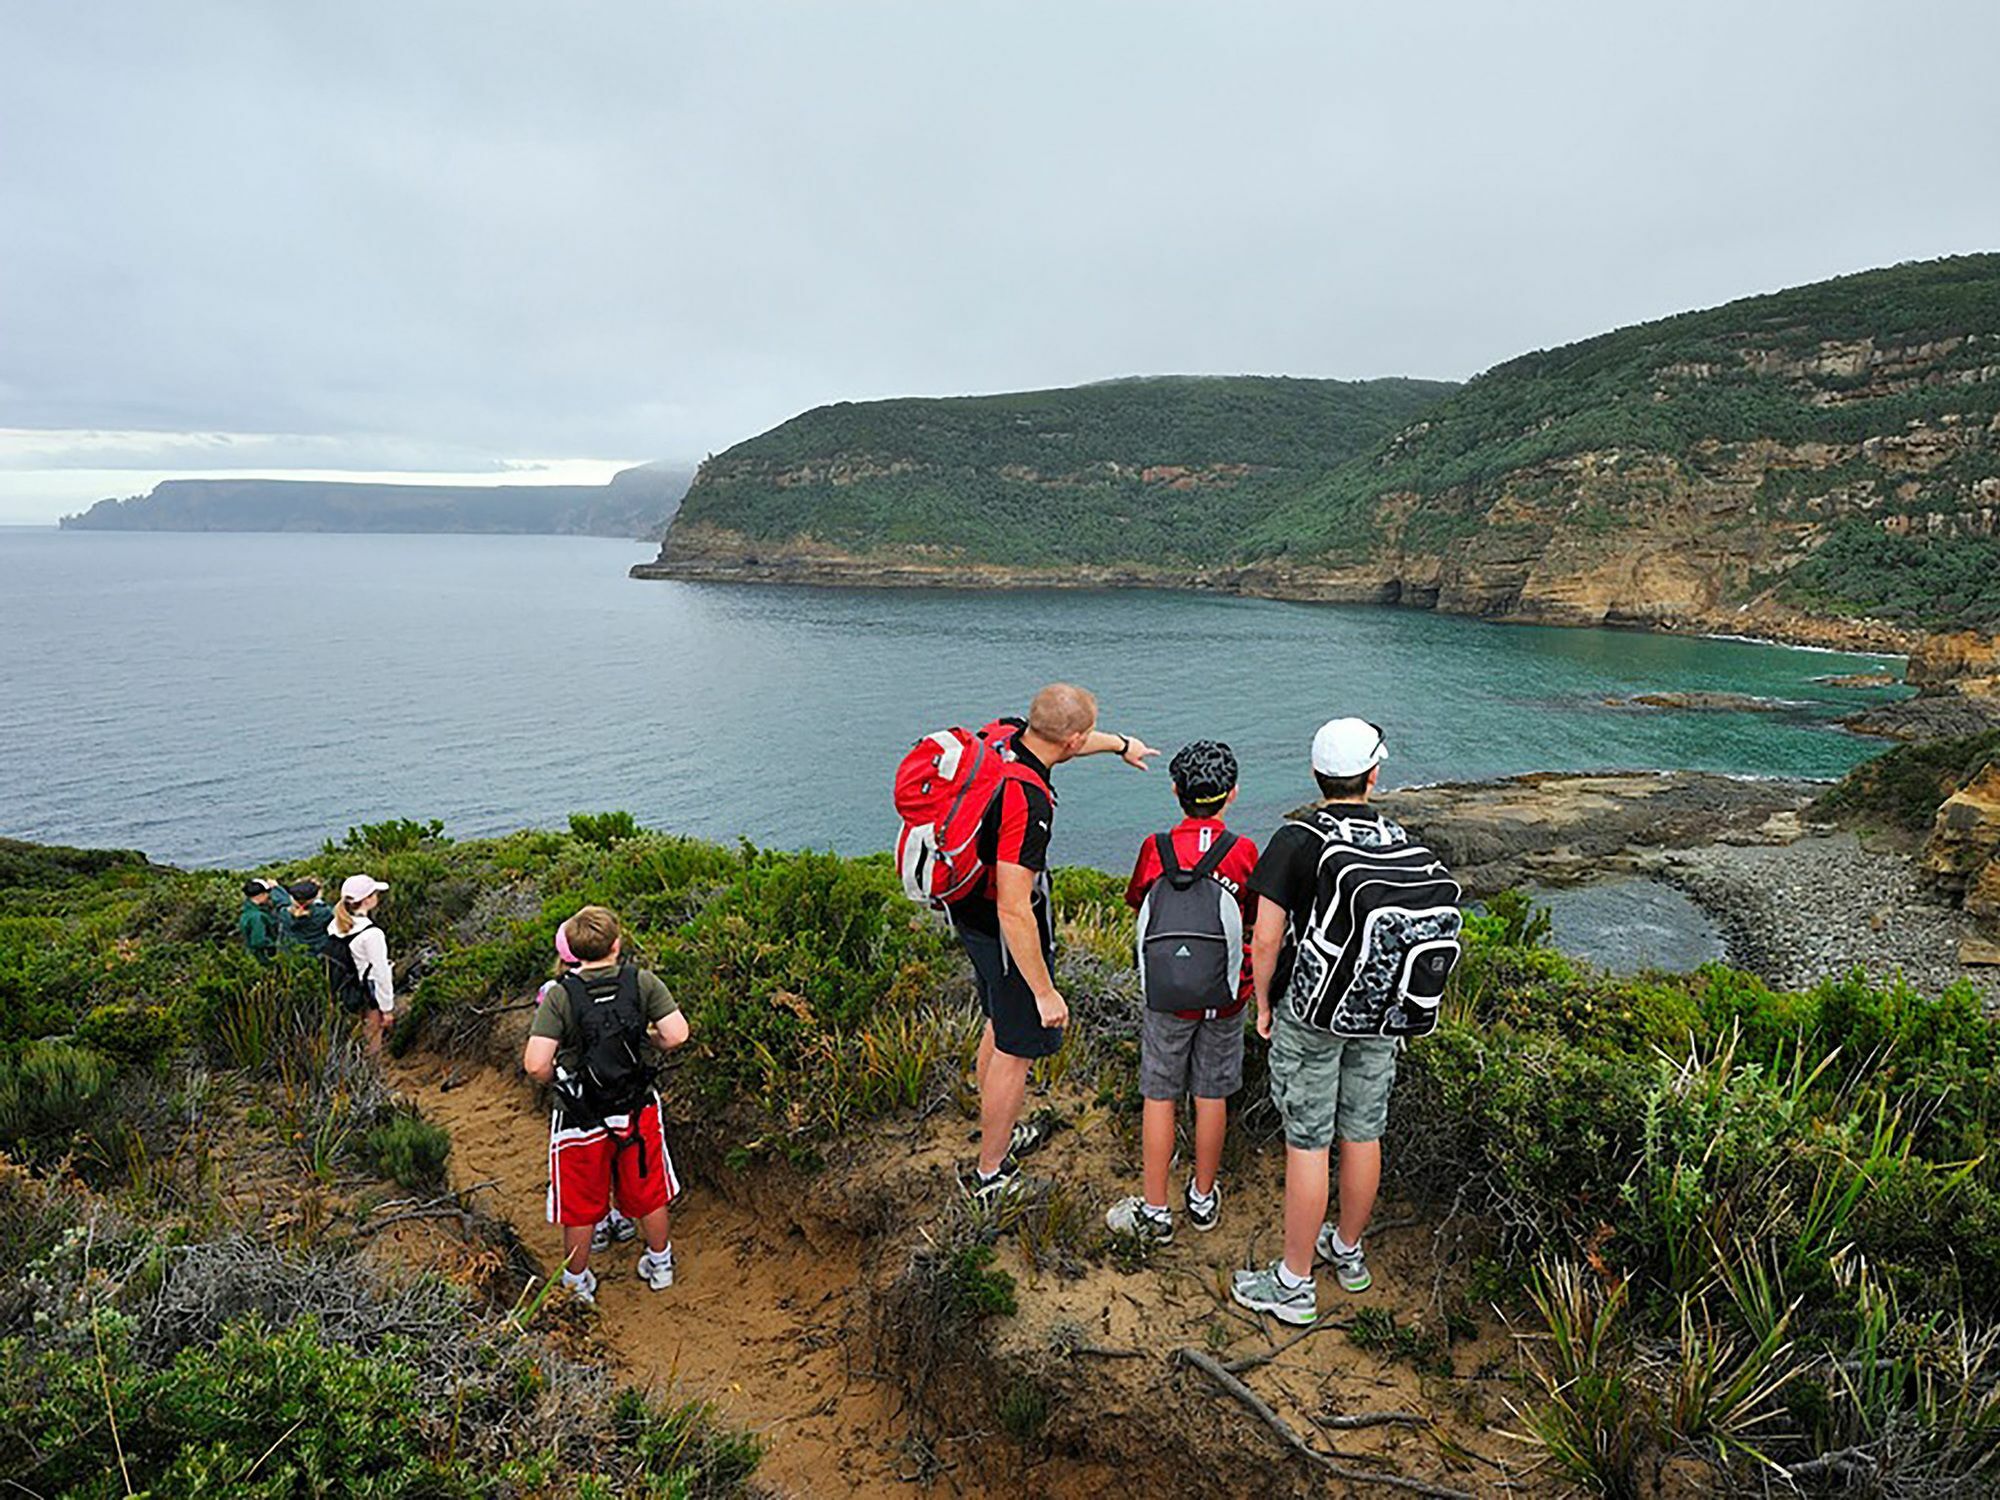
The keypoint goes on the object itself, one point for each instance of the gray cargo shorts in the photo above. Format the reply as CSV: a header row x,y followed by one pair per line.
x,y
1202,1058
1327,1086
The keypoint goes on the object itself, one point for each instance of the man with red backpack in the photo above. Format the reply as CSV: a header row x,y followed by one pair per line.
x,y
981,852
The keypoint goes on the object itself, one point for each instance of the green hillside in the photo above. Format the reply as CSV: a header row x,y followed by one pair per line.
x,y
1822,463
1172,467
1896,371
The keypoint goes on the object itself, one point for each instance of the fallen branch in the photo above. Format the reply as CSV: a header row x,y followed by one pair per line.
x,y
444,1206
1848,1463
1253,1361
1283,1429
412,1216
1370,1419
1106,1351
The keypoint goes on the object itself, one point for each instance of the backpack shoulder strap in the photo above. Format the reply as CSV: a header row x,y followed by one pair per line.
x,y
578,992
1217,853
1170,863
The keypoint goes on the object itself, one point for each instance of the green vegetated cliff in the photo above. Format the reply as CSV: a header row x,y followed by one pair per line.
x,y
1794,462
637,503
1163,469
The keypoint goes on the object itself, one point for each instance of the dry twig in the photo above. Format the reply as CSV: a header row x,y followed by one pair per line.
x,y
1283,1429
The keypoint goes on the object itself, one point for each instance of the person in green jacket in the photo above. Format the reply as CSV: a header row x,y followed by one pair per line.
x,y
302,919
259,921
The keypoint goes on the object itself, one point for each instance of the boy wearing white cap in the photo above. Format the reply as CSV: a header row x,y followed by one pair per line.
x,y
1325,1086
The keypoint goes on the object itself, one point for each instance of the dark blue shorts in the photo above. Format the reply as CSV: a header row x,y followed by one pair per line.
x,y
1005,997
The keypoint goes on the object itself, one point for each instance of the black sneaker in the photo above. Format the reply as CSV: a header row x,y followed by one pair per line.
x,y
1030,1134
1002,1184
1204,1214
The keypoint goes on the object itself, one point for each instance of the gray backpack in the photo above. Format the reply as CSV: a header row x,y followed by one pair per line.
x,y
1190,933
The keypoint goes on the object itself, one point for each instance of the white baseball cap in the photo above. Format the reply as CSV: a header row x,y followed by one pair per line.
x,y
361,887
1348,747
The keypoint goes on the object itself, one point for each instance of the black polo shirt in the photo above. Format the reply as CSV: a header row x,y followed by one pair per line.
x,y
1015,831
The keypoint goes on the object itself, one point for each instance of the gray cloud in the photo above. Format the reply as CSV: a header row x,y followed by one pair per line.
x,y
604,229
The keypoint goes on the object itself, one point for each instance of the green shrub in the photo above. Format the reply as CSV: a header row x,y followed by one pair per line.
x,y
603,829
410,1149
396,836
49,1091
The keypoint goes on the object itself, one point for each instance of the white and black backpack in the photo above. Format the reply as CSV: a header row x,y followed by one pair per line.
x,y
1382,937
1191,932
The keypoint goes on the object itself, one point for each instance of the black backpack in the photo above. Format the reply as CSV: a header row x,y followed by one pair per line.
x,y
1382,936
1191,933
344,981
614,1075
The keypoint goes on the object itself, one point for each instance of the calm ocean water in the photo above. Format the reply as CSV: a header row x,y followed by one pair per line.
x,y
229,699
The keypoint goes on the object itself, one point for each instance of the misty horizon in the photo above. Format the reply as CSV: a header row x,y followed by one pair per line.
x,y
440,246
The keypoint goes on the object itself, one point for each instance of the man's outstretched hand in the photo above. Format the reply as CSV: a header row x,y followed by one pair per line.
x,y
1137,753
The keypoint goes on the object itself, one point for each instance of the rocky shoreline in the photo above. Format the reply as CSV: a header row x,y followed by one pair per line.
x,y
1797,901
807,565
1823,906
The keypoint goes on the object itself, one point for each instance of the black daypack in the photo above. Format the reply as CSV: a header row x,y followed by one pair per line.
x,y
1190,933
614,1075
1382,936
344,980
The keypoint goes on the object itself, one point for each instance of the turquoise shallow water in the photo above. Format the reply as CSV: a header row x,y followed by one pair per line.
x,y
226,698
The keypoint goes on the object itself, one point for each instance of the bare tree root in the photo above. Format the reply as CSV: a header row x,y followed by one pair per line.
x,y
1250,1402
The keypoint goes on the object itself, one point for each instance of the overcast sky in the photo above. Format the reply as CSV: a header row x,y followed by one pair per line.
x,y
451,237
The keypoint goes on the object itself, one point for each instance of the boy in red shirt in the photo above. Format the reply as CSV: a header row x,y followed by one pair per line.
x,y
1196,1049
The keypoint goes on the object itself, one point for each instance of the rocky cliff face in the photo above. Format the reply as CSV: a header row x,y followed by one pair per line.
x,y
1691,474
1963,857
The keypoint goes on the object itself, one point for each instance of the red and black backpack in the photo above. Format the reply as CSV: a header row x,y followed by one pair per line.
x,y
944,787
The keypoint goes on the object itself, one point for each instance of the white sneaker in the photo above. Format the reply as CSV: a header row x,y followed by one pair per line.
x,y
581,1285
657,1271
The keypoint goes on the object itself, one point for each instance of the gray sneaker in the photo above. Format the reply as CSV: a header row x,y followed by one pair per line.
x,y
1261,1291
582,1285
1204,1215
1349,1269
1129,1216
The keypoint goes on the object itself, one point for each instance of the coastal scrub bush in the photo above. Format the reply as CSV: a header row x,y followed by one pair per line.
x,y
408,1148
48,1092
396,836
603,829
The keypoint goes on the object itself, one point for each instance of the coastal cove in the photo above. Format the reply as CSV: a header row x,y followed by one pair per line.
x,y
229,698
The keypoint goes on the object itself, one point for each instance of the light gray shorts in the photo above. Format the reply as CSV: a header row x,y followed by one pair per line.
x,y
1328,1085
1202,1058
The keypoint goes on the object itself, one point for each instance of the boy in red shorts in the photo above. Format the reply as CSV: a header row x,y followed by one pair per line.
x,y
593,1038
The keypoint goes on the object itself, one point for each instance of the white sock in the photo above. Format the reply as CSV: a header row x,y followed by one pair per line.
x,y
1288,1281
1158,1211
661,1256
1196,1195
577,1278
1341,1247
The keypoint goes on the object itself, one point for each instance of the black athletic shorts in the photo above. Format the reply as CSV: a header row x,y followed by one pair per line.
x,y
1005,997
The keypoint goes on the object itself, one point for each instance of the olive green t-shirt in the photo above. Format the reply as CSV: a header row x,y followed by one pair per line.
x,y
554,1022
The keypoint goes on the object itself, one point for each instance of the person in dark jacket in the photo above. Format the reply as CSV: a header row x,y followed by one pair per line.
x,y
302,920
259,920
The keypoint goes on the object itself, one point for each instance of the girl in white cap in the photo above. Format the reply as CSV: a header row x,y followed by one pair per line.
x,y
353,924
